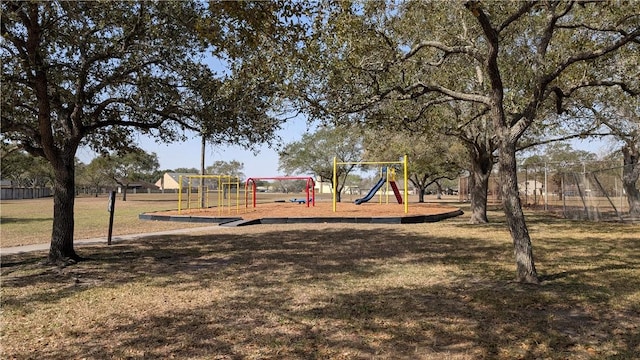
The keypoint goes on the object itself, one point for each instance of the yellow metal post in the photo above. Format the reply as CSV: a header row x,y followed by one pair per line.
x,y
220,190
335,178
237,195
406,185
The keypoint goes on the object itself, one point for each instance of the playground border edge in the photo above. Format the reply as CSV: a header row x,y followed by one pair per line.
x,y
239,221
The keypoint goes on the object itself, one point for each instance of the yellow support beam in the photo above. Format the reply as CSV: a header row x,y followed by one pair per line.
x,y
228,182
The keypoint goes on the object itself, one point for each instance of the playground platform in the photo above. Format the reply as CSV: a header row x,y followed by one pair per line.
x,y
287,213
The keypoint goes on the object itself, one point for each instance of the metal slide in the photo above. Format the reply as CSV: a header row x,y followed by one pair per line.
x,y
372,192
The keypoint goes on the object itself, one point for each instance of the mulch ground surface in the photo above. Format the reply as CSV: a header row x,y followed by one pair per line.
x,y
321,209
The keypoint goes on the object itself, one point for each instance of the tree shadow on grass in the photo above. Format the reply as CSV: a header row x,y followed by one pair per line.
x,y
429,322
299,294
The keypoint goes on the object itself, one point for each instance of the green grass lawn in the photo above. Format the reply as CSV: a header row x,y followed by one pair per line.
x,y
324,291
26,222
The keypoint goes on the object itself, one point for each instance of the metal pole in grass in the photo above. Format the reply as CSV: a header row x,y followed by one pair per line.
x,y
546,193
111,208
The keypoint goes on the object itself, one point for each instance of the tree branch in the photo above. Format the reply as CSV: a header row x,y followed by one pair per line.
x,y
468,50
587,55
524,8
423,89
581,135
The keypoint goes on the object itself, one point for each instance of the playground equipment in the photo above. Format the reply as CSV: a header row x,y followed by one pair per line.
x,y
387,177
223,186
309,189
301,201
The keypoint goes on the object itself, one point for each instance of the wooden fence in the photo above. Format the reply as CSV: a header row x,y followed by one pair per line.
x,y
16,193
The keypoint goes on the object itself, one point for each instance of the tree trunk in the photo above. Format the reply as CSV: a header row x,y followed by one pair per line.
x,y
525,267
507,137
630,175
337,188
61,251
481,166
421,189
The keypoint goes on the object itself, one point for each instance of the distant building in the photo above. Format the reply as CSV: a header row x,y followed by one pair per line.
x,y
139,186
531,187
323,187
171,181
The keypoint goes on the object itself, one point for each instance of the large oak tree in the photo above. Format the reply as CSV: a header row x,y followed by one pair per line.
x,y
96,73
512,60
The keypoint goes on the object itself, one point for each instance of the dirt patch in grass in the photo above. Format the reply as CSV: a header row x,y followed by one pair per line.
x,y
339,291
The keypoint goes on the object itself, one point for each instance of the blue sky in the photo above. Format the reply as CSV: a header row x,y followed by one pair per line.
x,y
265,162
261,163
187,154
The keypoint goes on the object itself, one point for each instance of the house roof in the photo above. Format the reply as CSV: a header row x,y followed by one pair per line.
x,y
195,181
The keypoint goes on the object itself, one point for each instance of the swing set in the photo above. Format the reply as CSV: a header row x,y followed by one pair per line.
x,y
251,189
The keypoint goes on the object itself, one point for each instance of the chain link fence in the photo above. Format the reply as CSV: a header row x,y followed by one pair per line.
x,y
586,191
